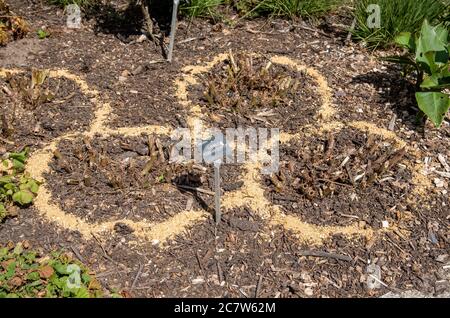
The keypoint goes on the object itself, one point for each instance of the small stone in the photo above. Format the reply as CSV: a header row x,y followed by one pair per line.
x,y
438,182
308,291
441,258
385,224
155,242
141,38
198,280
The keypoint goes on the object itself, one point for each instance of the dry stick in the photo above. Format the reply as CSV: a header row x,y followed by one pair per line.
x,y
103,249
195,189
258,286
326,254
137,276
148,20
330,145
306,28
77,253
219,272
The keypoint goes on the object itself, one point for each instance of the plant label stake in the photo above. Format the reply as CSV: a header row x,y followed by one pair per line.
x,y
217,190
173,29
212,153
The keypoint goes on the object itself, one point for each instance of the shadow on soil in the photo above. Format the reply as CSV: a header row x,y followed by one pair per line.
x,y
127,20
396,90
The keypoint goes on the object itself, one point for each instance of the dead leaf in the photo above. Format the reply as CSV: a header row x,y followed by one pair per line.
x,y
46,272
16,281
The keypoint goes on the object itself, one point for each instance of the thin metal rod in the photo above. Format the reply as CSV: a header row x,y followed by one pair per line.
x,y
217,191
173,29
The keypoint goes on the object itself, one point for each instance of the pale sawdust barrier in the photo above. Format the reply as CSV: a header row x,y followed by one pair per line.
x,y
251,193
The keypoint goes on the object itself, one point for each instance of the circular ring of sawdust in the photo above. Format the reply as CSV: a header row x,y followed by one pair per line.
x,y
316,234
105,178
191,78
341,176
43,104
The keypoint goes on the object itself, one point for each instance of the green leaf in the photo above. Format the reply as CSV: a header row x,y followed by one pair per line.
x,y
82,292
18,165
60,268
20,156
432,39
437,81
42,34
435,105
23,197
5,180
405,39
18,249
33,186
33,276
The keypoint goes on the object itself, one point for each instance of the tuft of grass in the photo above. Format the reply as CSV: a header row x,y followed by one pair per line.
x,y
396,16
288,8
201,8
256,8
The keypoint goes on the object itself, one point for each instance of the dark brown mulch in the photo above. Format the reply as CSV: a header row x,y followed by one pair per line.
x,y
256,93
32,116
314,183
123,177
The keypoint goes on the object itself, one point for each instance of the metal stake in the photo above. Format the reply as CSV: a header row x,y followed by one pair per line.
x,y
173,29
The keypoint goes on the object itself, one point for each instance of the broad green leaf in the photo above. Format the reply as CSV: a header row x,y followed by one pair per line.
x,y
437,81
60,268
431,39
20,156
33,186
18,165
23,197
429,45
435,105
405,39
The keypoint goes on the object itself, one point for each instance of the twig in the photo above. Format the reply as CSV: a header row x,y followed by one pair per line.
x,y
7,141
148,20
77,254
303,27
103,249
326,254
191,39
258,286
335,182
195,189
137,276
219,272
